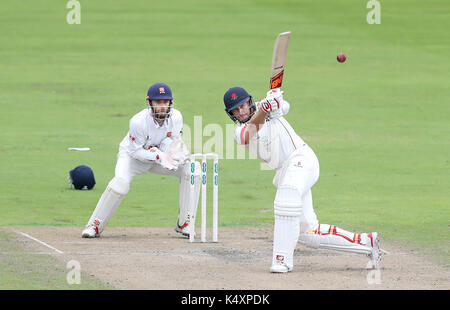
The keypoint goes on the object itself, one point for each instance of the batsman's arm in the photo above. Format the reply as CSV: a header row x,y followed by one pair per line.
x,y
244,133
254,125
269,106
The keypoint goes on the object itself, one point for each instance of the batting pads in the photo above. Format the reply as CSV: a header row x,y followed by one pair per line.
x,y
108,203
287,211
334,238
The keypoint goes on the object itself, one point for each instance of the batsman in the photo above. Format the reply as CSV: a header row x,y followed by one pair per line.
x,y
152,144
262,128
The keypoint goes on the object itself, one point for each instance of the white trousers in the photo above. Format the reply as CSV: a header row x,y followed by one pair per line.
x,y
126,169
301,172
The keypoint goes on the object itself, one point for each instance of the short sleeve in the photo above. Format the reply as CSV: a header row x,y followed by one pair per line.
x,y
239,134
177,120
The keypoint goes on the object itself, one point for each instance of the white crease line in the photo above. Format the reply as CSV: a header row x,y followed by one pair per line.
x,y
94,242
39,241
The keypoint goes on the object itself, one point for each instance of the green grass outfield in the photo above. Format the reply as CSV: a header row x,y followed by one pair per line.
x,y
22,270
379,122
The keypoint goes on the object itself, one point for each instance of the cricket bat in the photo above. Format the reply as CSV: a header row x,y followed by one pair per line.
x,y
279,59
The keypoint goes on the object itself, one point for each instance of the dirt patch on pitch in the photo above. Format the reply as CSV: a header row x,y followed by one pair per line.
x,y
158,258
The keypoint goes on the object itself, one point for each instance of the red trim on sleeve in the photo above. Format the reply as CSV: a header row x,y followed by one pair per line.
x,y
242,135
278,104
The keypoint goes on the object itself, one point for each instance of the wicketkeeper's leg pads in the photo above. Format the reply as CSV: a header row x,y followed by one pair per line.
x,y
287,211
186,205
334,238
111,198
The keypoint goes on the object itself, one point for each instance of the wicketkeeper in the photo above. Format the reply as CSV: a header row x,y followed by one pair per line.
x,y
152,144
267,134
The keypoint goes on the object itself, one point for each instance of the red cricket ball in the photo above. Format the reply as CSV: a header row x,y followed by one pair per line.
x,y
341,57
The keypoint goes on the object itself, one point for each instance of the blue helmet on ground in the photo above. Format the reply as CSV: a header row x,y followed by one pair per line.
x,y
82,177
159,91
236,97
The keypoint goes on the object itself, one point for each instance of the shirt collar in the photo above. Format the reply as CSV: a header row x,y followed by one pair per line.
x,y
157,125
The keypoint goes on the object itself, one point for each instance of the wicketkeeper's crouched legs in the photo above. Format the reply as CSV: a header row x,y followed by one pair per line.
x,y
109,201
126,169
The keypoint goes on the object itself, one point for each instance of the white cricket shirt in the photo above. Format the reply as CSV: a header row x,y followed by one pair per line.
x,y
146,134
275,140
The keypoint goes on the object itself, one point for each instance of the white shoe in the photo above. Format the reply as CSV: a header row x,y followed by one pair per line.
x,y
183,229
91,231
280,269
375,255
280,266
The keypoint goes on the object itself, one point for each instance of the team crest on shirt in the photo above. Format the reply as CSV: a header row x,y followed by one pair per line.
x,y
298,164
169,134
